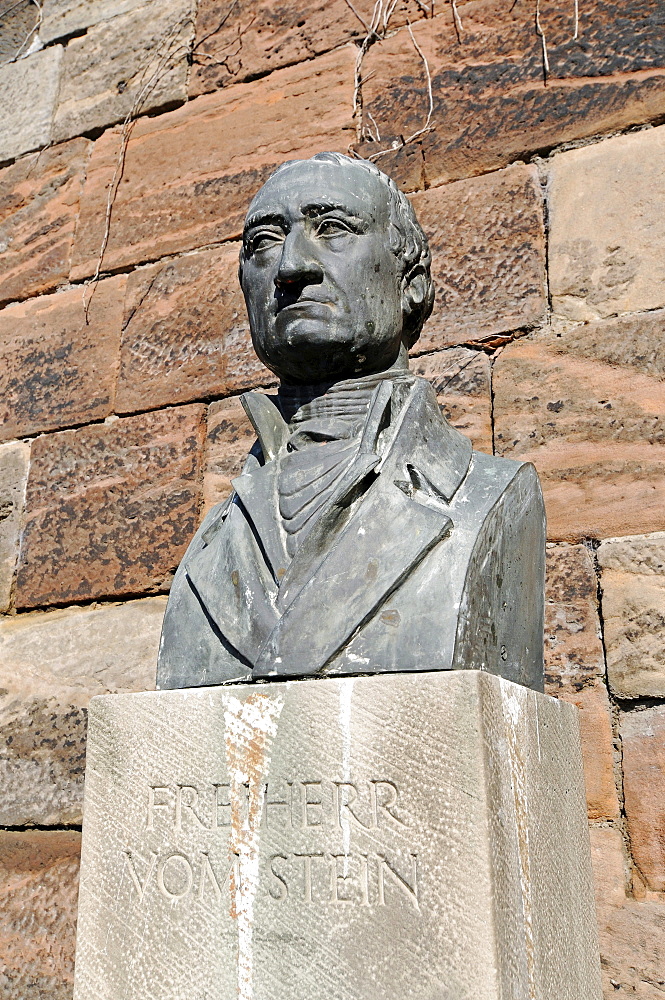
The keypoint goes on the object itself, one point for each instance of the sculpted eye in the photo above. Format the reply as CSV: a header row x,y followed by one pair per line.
x,y
333,227
263,240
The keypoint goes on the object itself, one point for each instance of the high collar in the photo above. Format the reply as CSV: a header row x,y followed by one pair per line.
x,y
416,438
347,397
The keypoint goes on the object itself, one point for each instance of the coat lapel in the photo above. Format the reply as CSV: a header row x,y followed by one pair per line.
x,y
234,585
388,535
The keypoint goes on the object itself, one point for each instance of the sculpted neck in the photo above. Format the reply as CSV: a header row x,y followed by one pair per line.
x,y
343,397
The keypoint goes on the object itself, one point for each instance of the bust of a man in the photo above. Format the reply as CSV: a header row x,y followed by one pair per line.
x,y
364,534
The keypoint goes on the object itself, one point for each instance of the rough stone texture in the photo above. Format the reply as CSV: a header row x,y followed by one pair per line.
x,y
633,581
50,666
643,742
189,174
607,227
490,104
110,508
594,429
396,821
39,201
632,342
186,334
14,460
64,17
461,379
248,39
632,933
18,20
29,88
488,256
573,648
134,62
38,890
56,370
575,667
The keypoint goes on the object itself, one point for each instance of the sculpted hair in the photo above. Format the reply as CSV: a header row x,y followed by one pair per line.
x,y
407,241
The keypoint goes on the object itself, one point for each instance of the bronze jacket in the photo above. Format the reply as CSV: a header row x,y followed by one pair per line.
x,y
429,556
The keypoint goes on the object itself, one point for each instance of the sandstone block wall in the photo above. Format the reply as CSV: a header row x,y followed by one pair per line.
x,y
132,135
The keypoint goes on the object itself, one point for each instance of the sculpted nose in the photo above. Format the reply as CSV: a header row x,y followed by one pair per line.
x,y
298,264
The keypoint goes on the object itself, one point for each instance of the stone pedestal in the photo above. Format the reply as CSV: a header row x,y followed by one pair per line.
x,y
375,838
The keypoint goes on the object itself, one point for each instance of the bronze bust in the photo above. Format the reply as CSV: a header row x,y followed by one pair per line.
x,y
364,534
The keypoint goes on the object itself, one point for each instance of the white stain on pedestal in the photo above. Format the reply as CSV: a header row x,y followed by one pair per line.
x,y
249,729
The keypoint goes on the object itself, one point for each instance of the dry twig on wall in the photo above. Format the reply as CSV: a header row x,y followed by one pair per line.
x,y
168,51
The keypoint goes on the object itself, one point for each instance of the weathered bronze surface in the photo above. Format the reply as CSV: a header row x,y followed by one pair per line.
x,y
364,534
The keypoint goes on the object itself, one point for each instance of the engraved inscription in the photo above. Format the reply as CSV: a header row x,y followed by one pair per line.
x,y
369,879
296,805
324,810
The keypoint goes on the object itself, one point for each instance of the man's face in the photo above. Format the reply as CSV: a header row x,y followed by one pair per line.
x,y
322,286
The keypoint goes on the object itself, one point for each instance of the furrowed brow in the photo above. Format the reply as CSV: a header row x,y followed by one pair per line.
x,y
265,219
322,207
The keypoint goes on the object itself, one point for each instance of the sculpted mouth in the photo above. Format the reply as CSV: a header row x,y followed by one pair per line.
x,y
306,304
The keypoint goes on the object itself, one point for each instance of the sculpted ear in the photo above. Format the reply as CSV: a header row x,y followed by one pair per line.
x,y
414,290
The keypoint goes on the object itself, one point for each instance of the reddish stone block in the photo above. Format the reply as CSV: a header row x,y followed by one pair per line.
x,y
38,898
631,932
643,742
491,105
597,748
186,334
573,648
461,380
250,39
593,429
189,174
575,667
56,369
111,508
487,240
39,203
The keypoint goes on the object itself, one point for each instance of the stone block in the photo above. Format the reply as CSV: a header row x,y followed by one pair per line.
x,y
259,824
631,931
575,667
38,888
593,429
573,647
189,174
19,22
111,508
50,666
633,582
607,227
14,459
186,334
631,342
487,240
56,368
461,380
597,749
29,89
643,743
39,202
130,64
248,40
61,18
490,102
